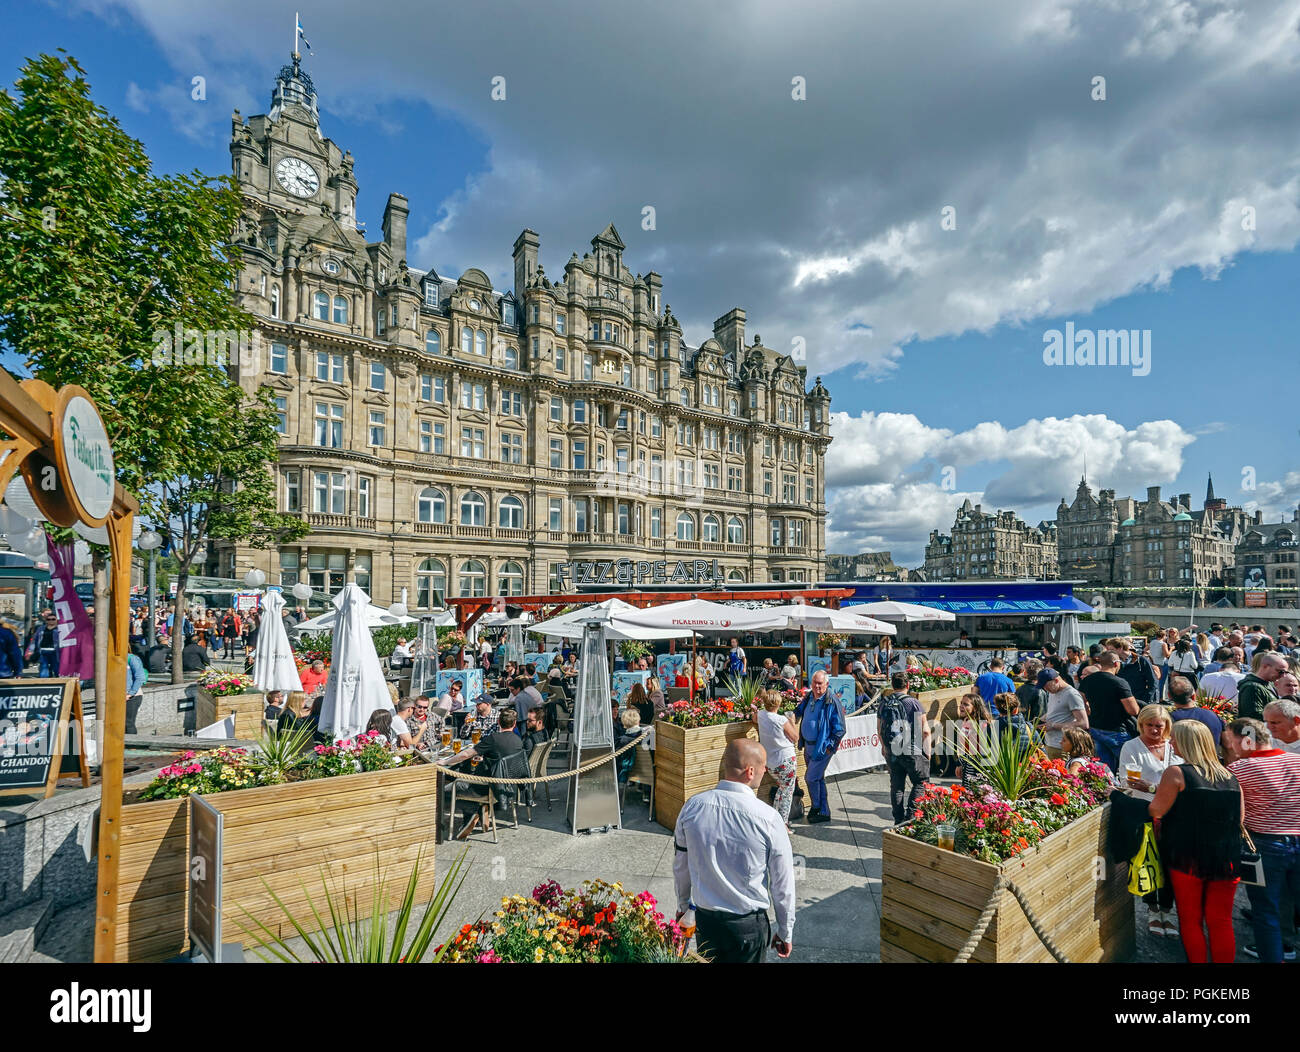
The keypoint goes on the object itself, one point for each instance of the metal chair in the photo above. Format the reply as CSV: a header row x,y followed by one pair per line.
x,y
643,773
564,729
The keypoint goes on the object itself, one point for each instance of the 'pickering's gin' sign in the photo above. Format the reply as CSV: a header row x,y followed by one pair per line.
x,y
639,571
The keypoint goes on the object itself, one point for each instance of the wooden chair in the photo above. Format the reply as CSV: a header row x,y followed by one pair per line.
x,y
643,773
537,768
677,694
479,794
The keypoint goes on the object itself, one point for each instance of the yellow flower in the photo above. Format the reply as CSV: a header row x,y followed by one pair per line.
x,y
532,933
538,954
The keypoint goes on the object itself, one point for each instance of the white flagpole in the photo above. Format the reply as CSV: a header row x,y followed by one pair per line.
x,y
296,31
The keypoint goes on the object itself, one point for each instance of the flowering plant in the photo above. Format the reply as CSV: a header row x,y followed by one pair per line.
x,y
1224,708
831,640
596,923
991,827
222,684
210,772
451,637
368,751
704,713
920,678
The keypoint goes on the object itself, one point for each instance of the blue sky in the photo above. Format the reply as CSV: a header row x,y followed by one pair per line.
x,y
824,222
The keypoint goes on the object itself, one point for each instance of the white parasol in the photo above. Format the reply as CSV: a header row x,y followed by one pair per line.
x,y
572,624
356,686
273,664
374,616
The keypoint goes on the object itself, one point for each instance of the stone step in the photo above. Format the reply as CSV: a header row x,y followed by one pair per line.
x,y
20,930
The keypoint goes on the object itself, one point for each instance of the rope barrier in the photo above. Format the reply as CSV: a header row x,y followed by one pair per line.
x,y
986,918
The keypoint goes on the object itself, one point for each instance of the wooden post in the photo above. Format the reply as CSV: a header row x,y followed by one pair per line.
x,y
112,711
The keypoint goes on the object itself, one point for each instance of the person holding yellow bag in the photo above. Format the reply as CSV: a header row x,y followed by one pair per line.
x,y
1142,762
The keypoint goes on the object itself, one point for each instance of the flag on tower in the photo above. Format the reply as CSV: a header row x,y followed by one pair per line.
x,y
298,33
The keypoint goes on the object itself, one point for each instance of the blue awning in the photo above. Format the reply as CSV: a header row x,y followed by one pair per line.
x,y
1005,598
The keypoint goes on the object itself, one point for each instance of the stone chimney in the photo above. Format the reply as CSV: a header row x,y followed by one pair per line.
x,y
729,330
1153,494
395,213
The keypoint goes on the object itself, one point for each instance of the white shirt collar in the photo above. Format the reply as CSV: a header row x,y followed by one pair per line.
x,y
726,785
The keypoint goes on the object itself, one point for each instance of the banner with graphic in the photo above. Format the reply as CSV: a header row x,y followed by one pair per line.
x,y
76,633
859,748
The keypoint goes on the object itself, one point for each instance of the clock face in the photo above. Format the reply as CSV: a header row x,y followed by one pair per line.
x,y
297,176
475,305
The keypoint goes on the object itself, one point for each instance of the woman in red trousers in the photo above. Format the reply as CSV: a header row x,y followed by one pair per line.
x,y
1198,809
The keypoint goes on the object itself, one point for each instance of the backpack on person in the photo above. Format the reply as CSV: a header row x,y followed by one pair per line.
x,y
889,714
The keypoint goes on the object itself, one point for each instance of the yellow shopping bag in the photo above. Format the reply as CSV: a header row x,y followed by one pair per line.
x,y
1145,873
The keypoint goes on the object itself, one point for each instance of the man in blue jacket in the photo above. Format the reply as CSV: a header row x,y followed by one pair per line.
x,y
821,730
994,682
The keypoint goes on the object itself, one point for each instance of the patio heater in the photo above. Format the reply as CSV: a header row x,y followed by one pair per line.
x,y
515,641
424,672
593,801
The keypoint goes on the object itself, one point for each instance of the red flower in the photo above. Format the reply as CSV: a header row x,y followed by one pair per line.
x,y
1058,799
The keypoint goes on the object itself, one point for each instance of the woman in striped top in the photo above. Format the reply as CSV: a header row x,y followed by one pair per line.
x,y
1270,786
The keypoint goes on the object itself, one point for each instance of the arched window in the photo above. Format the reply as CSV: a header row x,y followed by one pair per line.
x,y
712,528
473,510
735,531
480,343
430,584
780,413
686,526
432,505
735,575
686,396
467,340
340,310
473,579
275,301
510,513
510,581
320,307
508,312
733,407
512,356
433,342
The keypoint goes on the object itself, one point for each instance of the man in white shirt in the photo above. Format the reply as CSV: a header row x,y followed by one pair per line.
x,y
733,861
1283,719
962,641
1223,683
400,732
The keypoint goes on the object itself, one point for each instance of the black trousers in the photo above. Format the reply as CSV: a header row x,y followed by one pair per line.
x,y
901,770
733,938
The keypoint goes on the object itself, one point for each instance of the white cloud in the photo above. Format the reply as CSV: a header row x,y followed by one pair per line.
x,y
891,478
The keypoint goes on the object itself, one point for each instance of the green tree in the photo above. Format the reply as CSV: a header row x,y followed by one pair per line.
x,y
97,254
228,493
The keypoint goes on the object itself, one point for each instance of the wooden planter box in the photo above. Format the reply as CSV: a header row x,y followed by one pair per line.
x,y
284,833
932,899
934,701
249,710
688,762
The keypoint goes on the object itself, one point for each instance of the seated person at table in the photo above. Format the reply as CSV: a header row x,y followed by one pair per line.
x,y
314,678
530,672
510,671
523,696
534,696
401,655
555,674
496,745
484,720
771,675
274,704
570,666
453,700
639,700
400,729
425,723
655,693
681,680
195,656
535,732
381,720
630,730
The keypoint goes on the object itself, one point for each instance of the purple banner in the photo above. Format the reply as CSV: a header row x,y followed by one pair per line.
x,y
76,633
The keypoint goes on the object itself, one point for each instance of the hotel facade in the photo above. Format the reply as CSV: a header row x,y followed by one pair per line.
x,y
449,438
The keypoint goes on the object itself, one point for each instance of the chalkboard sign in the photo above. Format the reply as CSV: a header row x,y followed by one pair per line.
x,y
42,735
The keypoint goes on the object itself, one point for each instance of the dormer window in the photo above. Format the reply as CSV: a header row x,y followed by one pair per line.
x,y
508,313
431,294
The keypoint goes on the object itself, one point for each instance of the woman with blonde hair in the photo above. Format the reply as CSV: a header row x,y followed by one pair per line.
x,y
777,735
1142,762
655,692
1200,811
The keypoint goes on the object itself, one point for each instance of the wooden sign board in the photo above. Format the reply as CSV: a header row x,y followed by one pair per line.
x,y
42,735
207,827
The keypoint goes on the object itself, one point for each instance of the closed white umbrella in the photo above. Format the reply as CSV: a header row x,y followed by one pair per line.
x,y
889,610
356,686
273,664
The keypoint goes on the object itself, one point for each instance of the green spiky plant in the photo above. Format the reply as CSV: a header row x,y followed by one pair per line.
x,y
744,690
1004,761
357,936
279,751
